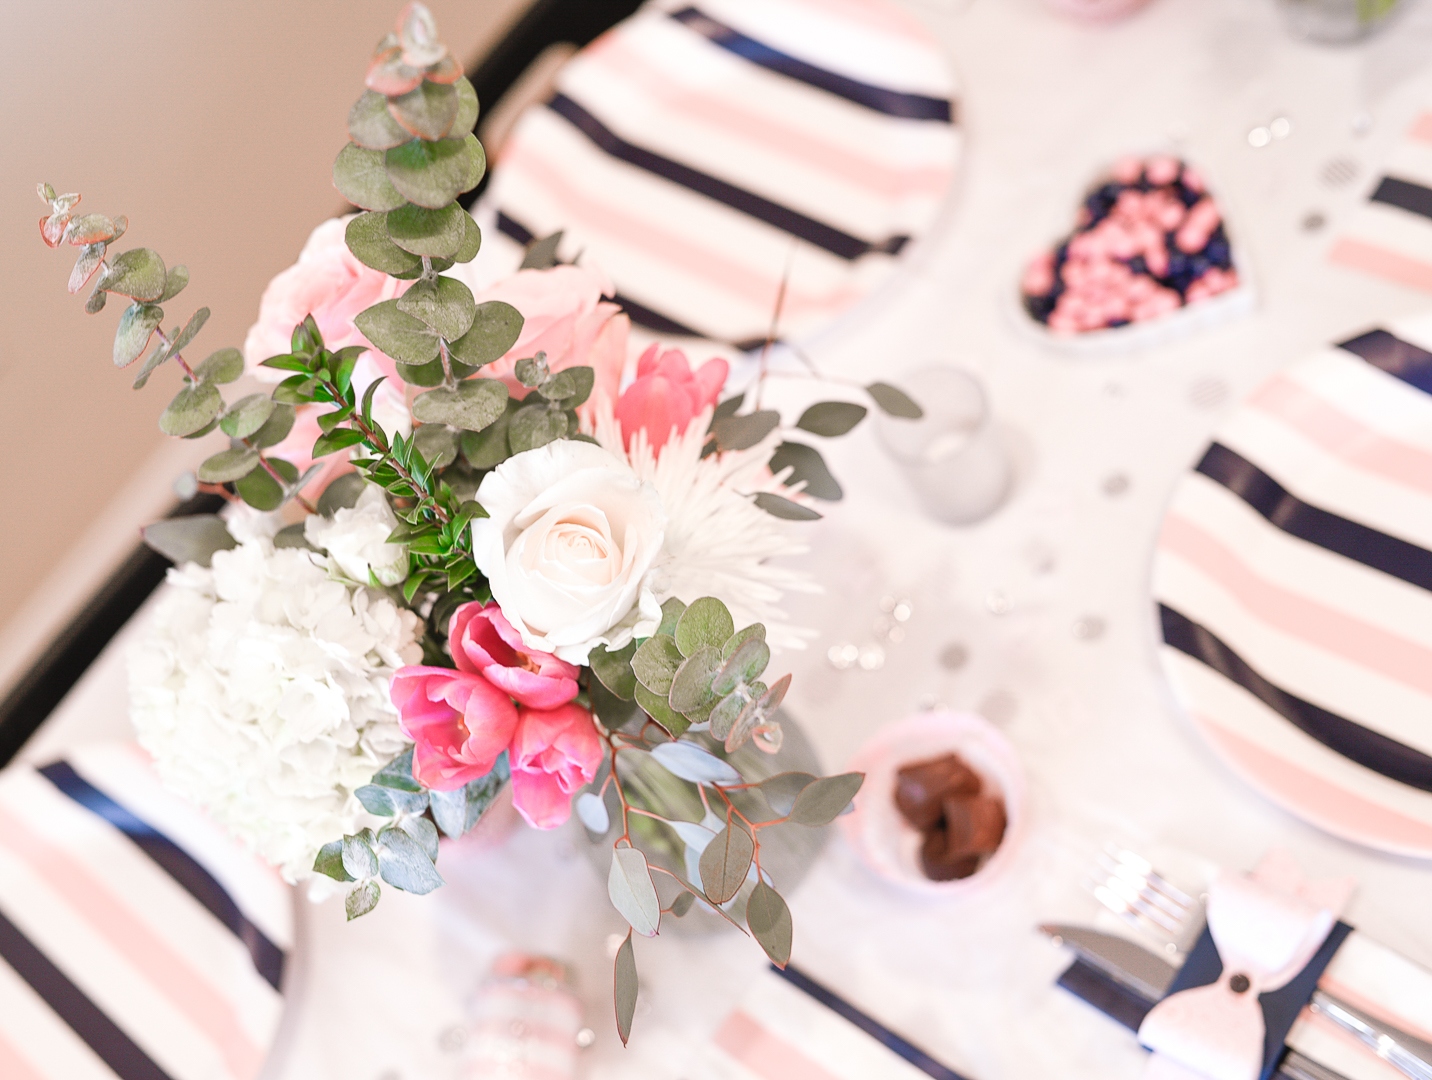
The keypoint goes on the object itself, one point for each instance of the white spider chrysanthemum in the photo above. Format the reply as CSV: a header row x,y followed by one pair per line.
x,y
261,690
718,541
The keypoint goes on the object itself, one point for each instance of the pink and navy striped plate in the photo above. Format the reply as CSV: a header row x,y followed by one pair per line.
x,y
1293,581
1390,235
694,151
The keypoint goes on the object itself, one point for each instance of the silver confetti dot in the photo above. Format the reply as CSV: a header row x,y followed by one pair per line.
x,y
1280,127
998,603
586,1037
1116,484
872,658
1313,220
954,656
1089,628
450,1039
1259,137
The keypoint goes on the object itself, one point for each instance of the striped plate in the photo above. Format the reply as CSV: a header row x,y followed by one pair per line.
x,y
693,152
1293,581
1391,234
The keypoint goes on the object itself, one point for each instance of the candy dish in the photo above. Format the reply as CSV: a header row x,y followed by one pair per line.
x,y
878,832
1151,256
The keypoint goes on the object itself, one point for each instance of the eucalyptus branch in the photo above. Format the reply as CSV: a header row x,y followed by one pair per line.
x,y
278,477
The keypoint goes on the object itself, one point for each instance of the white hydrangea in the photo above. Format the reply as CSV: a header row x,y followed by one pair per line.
x,y
261,690
356,538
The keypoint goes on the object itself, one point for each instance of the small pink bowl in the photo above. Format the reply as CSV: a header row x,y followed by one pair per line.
x,y
889,844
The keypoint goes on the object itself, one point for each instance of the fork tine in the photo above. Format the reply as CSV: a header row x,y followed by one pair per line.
x,y
1128,879
1146,870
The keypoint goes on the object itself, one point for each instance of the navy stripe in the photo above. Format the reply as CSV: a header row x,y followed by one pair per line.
x,y
1368,748
515,229
818,233
1327,530
881,100
85,1018
268,958
1404,195
877,1031
1408,362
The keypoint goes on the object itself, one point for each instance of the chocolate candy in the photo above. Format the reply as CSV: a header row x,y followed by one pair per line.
x,y
921,788
943,798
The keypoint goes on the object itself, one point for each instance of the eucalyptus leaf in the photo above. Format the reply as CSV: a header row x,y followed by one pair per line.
x,y
571,386
193,408
894,401
471,242
399,335
437,443
781,507
229,465
276,427
655,663
361,899
476,168
136,327
359,859
806,464
262,491
368,240
592,813
474,405
246,416
705,622
430,174
823,801
361,177
138,274
424,832
370,125
729,714
632,891
726,861
694,763
403,863
438,233
744,665
330,861
691,685
387,801
831,418
682,904
467,108
398,773
744,432
736,640
443,304
425,375
542,254
189,539
221,366
625,988
656,706
427,111
671,612
175,279
191,329
291,536
536,425
614,669
156,357
780,791
489,448
770,921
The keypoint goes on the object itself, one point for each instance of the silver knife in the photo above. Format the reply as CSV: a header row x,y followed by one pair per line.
x,y
1150,975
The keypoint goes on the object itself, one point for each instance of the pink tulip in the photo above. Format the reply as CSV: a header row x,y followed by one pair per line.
x,y
554,752
459,721
667,395
484,643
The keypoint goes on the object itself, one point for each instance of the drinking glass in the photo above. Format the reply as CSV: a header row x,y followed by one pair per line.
x,y
953,455
1336,22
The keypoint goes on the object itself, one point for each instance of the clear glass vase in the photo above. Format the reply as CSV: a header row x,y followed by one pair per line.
x,y
787,851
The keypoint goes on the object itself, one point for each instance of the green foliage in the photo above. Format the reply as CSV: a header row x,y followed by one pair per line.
x,y
398,773
136,327
471,406
614,669
431,174
442,304
193,408
625,988
632,891
404,338
372,127
138,274
432,232
893,401
427,111
807,465
822,801
744,432
227,465
495,328
361,177
726,861
246,416
542,254
262,491
781,507
189,539
770,922
367,237
831,418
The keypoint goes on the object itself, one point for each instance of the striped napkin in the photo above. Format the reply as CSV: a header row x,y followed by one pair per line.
x,y
1293,577
694,153
1391,235
136,941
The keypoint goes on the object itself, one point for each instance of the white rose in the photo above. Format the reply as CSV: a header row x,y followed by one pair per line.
x,y
568,546
356,538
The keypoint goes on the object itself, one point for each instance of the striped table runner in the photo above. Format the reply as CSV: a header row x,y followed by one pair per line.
x,y
1293,579
136,941
694,152
1391,235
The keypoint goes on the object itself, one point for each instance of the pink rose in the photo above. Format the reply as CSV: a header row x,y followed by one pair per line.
x,y
554,752
328,283
565,317
667,395
483,642
459,721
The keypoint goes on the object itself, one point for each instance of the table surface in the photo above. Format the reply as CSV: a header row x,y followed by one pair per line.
x,y
1099,444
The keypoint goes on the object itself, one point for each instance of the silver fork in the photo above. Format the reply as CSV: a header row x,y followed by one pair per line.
x,y
1132,889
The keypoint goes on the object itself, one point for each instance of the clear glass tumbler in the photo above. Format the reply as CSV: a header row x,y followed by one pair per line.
x,y
1336,22
953,455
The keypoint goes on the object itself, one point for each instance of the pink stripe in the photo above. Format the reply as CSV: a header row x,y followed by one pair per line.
x,y
769,1057
107,913
1296,615
1384,263
1343,435
15,1067
701,263
1320,801
1376,1008
623,60
1422,128
882,18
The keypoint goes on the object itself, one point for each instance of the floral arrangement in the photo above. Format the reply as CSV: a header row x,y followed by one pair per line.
x,y
459,558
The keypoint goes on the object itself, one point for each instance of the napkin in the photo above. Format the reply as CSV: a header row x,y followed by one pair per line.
x,y
136,940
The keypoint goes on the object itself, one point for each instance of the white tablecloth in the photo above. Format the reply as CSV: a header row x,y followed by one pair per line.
x,y
1107,753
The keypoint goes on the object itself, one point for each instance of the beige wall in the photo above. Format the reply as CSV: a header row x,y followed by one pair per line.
x,y
213,127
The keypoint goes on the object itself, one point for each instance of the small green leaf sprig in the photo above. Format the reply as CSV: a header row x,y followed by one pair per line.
x,y
697,684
